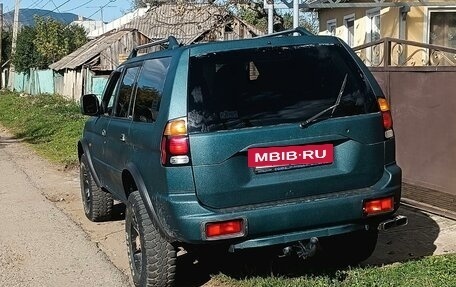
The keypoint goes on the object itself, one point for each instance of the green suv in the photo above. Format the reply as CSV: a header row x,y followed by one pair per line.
x,y
283,141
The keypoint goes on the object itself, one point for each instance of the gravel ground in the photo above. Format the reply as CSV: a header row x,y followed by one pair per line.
x,y
39,244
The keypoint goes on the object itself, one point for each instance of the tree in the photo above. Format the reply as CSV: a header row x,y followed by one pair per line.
x,y
254,13
54,40
46,43
7,35
26,55
251,11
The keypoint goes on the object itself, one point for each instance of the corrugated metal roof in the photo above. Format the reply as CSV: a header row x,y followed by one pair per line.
x,y
184,21
118,23
187,22
89,51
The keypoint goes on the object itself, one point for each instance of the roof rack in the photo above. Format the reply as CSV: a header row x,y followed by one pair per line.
x,y
172,44
300,30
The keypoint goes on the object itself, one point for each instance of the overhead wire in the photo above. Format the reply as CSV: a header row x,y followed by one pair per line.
x,y
102,7
48,12
77,7
55,6
36,3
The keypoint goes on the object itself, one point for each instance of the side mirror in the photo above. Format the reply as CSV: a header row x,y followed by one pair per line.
x,y
90,106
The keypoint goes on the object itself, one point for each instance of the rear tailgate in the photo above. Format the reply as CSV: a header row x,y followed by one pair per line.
x,y
223,178
257,98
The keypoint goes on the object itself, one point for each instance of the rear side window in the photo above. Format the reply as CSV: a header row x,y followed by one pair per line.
x,y
274,85
149,91
125,92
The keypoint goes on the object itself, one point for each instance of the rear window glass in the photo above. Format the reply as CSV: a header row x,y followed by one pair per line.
x,y
274,85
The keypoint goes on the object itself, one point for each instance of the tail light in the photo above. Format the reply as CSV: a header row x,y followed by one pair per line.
x,y
175,144
387,118
225,229
377,206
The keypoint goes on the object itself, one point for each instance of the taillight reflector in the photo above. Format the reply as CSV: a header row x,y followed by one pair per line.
x,y
178,145
231,228
175,143
176,128
383,104
387,118
376,206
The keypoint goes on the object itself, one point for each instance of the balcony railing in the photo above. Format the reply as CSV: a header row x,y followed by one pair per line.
x,y
391,52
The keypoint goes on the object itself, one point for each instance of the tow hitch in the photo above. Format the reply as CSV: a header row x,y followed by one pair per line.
x,y
398,220
302,250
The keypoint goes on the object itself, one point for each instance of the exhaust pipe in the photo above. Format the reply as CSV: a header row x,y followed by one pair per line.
x,y
398,220
302,250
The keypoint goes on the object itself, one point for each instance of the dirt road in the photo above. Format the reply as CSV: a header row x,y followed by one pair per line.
x,y
39,244
45,239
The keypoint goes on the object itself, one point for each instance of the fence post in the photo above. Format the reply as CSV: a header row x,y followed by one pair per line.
x,y
387,52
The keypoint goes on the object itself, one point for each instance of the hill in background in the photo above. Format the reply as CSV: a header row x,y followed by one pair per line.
x,y
26,16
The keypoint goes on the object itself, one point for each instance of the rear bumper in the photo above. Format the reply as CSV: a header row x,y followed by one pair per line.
x,y
280,222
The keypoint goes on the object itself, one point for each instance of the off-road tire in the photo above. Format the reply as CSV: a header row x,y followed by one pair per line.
x,y
157,257
97,203
347,249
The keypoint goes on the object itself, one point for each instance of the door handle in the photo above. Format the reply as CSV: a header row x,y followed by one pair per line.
x,y
103,132
122,137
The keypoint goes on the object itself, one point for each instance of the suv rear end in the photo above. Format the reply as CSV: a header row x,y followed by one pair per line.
x,y
249,101
276,141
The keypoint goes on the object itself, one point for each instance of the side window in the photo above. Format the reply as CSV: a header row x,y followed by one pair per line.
x,y
125,92
150,88
109,92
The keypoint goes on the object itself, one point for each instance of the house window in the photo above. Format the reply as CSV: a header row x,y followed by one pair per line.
x,y
442,32
442,28
373,27
331,27
373,34
349,23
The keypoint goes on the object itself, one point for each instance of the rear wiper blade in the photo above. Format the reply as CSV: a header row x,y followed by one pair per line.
x,y
333,107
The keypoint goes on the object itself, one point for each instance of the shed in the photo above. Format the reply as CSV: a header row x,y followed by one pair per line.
x,y
86,69
191,23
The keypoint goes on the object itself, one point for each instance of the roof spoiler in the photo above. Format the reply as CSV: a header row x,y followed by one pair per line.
x,y
172,44
300,30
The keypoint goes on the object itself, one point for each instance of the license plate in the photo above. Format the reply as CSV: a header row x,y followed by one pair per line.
x,y
303,155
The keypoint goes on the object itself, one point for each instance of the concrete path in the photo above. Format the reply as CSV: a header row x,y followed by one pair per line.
x,y
39,244
426,234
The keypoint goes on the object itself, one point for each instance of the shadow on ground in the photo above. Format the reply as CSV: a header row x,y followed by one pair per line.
x,y
401,244
118,211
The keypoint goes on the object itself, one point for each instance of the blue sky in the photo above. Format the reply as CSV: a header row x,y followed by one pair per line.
x,y
113,8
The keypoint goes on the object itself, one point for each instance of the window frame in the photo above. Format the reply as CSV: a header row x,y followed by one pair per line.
x,y
133,92
370,55
428,20
133,104
331,23
348,18
113,88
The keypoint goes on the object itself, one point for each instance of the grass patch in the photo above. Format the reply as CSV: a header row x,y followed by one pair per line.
x,y
51,124
433,271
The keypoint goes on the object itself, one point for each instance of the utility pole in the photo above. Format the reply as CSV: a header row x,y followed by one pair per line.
x,y
295,13
1,44
13,44
101,8
269,5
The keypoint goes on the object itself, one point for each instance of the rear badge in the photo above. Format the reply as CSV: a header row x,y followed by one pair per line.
x,y
289,157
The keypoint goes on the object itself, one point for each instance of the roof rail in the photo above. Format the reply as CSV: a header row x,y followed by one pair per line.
x,y
172,44
300,30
